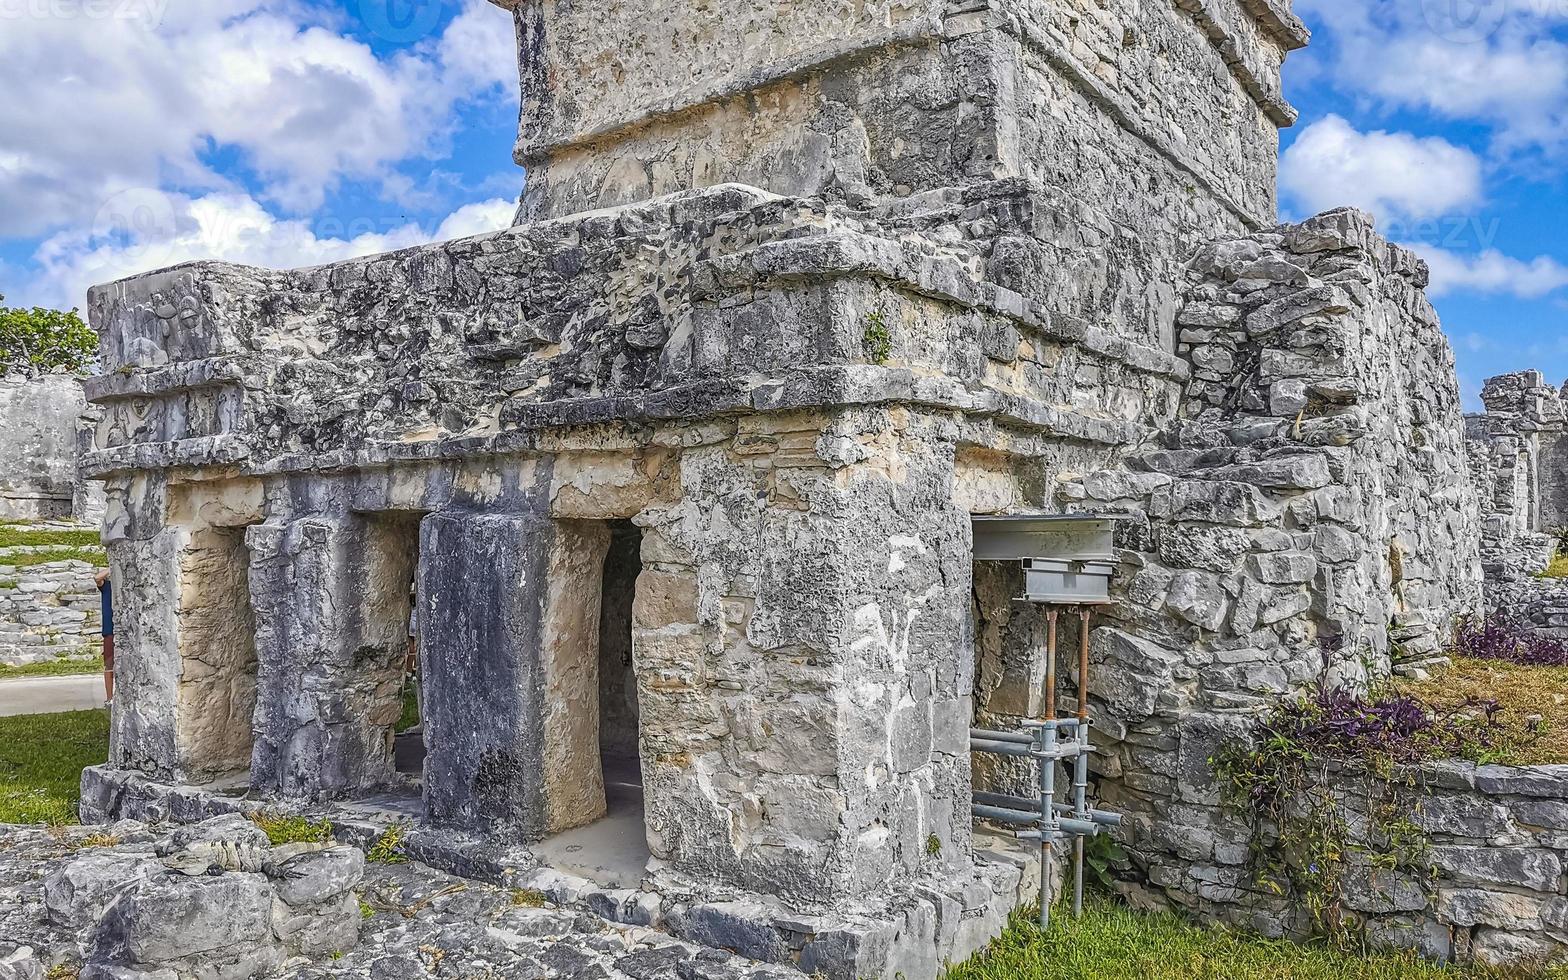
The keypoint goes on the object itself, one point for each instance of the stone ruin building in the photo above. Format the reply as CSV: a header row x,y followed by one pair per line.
x,y
680,470
47,423
49,608
1519,460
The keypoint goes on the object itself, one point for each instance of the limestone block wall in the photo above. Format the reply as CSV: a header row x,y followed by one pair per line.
x,y
47,611
879,103
1490,886
1309,516
38,446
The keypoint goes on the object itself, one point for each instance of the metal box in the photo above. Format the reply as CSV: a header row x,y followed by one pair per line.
x,y
1067,582
1068,559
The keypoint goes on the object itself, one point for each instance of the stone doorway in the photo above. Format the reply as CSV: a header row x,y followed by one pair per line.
x,y
216,698
613,849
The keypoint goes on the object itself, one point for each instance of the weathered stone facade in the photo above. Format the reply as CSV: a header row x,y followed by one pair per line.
x,y
47,610
796,291
1520,466
46,424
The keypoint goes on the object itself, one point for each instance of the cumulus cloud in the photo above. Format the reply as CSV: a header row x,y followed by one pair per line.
x,y
476,219
167,229
95,106
1499,62
1493,273
1396,176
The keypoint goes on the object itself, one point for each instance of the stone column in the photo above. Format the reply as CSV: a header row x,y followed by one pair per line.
x,y
508,638
803,671
331,614
144,722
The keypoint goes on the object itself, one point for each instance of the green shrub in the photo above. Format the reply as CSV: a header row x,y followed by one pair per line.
x,y
37,341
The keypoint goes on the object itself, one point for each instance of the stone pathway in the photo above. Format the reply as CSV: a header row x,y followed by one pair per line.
x,y
61,889
42,695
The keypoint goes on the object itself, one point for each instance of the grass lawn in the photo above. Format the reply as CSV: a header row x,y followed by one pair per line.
x,y
96,557
1521,691
1113,942
14,537
58,667
41,762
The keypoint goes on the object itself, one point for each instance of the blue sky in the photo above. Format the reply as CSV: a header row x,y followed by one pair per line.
x,y
136,133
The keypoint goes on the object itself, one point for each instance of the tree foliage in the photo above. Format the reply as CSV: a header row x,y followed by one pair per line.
x,y
39,341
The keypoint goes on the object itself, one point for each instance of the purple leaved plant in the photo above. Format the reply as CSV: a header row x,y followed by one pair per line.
x,y
1499,638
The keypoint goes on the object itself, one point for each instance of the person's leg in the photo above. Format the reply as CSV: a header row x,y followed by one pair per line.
x,y
108,669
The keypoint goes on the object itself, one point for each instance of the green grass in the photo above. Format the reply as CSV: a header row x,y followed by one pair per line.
x,y
58,667
41,762
410,716
1113,942
12,537
92,556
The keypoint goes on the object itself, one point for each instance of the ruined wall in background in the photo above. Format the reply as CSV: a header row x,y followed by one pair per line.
x,y
39,439
1516,451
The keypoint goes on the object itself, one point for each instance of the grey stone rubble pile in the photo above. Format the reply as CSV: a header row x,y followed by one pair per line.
x,y
105,900
47,610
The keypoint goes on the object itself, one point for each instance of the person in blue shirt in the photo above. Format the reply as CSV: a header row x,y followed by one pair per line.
x,y
106,599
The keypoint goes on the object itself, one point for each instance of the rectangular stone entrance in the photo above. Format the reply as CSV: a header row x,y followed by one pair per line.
x,y
525,636
612,850
216,696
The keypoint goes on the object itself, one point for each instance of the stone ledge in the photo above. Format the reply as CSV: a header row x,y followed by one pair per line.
x,y
816,388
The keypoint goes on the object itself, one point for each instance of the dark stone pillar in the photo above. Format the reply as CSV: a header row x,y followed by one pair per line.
x,y
481,600
330,597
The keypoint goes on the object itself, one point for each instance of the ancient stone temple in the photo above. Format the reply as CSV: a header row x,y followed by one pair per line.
x,y
672,482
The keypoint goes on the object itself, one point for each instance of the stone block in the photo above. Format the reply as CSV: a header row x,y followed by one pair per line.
x,y
1480,907
1215,502
1284,568
1533,868
1198,598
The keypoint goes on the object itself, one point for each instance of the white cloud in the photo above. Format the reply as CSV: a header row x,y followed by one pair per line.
x,y
169,229
1396,176
1499,62
476,219
1493,273
97,105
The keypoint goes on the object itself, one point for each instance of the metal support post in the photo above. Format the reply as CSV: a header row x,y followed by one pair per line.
x,y
1081,768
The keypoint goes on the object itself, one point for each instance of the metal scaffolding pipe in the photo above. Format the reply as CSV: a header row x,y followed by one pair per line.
x,y
1081,768
1002,748
1047,808
1023,738
1103,817
1029,818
